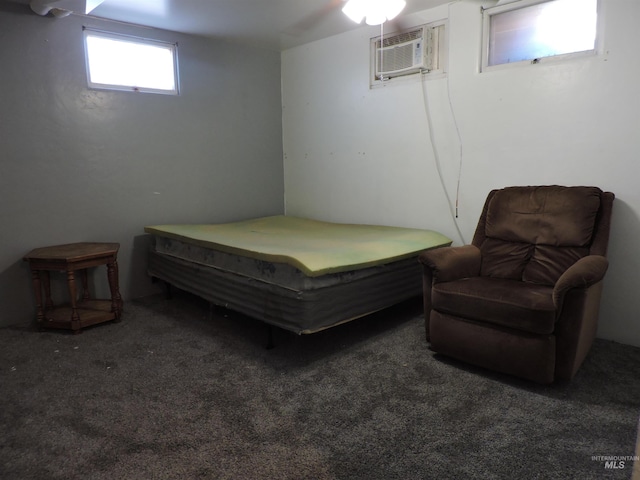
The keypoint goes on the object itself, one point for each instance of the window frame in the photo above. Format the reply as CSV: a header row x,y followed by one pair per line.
x,y
487,13
172,46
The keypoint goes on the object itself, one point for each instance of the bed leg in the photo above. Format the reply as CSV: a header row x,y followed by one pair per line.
x,y
167,287
270,343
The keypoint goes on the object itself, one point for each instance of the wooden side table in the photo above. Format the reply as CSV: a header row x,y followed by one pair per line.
x,y
83,312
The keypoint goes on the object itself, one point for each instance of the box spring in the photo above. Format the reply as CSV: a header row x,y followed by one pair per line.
x,y
280,294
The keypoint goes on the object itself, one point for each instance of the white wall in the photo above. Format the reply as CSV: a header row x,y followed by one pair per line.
x,y
88,165
356,154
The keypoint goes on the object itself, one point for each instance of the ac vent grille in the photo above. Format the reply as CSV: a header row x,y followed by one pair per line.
x,y
400,54
400,38
419,50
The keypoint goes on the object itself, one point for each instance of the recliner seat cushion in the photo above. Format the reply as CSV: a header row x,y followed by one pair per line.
x,y
510,303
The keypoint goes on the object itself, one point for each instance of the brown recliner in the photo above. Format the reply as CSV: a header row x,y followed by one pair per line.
x,y
523,298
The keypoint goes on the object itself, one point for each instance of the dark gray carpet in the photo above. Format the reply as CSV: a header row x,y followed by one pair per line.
x,y
178,390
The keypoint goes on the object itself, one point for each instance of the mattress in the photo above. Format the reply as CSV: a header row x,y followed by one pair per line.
x,y
299,274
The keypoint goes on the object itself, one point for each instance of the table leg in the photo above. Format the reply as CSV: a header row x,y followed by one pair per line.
x,y
75,317
37,289
46,283
116,299
85,284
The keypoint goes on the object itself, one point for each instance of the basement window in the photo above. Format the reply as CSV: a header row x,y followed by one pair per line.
x,y
533,31
120,62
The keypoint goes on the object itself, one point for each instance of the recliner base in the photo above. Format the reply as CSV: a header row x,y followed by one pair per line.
x,y
521,354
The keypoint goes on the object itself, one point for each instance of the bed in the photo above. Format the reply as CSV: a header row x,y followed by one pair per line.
x,y
299,274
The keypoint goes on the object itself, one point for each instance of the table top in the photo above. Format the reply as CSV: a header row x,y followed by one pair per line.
x,y
73,252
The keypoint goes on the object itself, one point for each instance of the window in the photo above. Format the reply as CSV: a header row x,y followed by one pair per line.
x,y
537,31
119,62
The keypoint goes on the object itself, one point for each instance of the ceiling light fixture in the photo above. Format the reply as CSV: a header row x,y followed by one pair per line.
x,y
376,12
63,8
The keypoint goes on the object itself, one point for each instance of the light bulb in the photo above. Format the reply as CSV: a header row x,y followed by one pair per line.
x,y
374,11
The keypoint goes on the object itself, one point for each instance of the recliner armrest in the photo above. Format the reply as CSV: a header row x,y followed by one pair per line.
x,y
585,272
452,263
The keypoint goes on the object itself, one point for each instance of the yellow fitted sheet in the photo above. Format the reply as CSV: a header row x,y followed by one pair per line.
x,y
315,247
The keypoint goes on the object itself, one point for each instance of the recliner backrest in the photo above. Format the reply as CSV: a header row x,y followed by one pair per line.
x,y
535,233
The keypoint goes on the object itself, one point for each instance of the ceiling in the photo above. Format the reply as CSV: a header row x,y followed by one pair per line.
x,y
273,24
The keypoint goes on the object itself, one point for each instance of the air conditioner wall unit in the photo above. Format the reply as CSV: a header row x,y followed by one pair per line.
x,y
419,50
401,54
